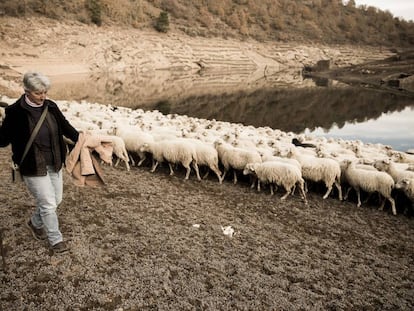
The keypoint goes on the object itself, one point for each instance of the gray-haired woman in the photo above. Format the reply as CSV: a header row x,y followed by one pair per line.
x,y
41,168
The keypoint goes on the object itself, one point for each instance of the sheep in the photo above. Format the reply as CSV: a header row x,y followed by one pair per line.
x,y
319,169
369,181
134,139
391,168
281,174
207,155
235,158
173,151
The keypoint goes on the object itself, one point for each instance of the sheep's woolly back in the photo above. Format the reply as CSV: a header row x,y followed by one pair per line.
x,y
283,160
236,158
281,174
178,151
319,169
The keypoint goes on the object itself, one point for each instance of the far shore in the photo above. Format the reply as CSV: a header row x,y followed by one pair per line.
x,y
62,49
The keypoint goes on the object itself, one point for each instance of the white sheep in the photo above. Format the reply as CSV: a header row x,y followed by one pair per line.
x,y
206,155
134,138
278,173
174,152
234,158
319,169
369,181
391,168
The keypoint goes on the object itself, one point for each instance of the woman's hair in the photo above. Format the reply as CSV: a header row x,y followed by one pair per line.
x,y
35,81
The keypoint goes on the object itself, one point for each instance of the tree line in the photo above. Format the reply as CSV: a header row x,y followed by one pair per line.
x,y
321,21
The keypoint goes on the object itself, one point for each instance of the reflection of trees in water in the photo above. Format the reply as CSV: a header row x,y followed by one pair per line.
x,y
141,90
291,110
214,95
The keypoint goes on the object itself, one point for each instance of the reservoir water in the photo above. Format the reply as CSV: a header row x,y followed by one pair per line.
x,y
285,101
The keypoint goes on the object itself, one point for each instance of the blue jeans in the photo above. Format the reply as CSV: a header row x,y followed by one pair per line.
x,y
47,191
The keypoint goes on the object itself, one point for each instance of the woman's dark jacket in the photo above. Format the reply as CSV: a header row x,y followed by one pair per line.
x,y
16,130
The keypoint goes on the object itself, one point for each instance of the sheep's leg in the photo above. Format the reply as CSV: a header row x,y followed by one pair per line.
x,y
172,171
142,158
117,161
347,193
188,171
224,174
303,194
131,159
271,189
286,194
154,166
338,186
382,204
328,192
359,197
394,210
216,171
195,166
127,164
234,177
253,181
258,185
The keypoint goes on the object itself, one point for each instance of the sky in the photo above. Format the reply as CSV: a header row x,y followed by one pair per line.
x,y
398,8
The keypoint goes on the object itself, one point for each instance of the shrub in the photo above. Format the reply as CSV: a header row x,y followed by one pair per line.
x,y
95,10
163,23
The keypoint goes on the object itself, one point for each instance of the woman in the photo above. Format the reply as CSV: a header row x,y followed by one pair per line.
x,y
41,168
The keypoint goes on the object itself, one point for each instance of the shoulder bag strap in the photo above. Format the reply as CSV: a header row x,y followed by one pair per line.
x,y
34,133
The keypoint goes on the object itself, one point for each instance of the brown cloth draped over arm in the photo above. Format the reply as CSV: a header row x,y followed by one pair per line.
x,y
82,163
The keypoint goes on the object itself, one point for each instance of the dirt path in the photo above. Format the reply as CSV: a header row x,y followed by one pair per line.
x,y
134,247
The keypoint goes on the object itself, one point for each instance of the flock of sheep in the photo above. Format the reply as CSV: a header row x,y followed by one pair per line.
x,y
268,156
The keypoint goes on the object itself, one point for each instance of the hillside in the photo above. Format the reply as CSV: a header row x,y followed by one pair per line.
x,y
317,21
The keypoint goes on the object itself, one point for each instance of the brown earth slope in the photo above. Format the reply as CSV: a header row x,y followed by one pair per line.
x,y
134,246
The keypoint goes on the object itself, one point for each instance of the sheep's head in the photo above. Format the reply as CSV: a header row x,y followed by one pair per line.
x,y
346,163
404,183
144,147
382,165
249,169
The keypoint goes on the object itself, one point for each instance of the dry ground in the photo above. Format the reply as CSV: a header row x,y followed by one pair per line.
x,y
134,247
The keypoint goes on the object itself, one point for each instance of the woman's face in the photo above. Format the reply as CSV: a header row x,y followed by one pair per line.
x,y
37,97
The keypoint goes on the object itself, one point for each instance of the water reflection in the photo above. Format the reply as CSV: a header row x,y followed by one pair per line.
x,y
143,90
284,101
393,128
